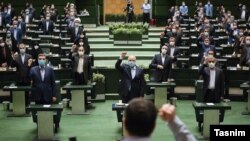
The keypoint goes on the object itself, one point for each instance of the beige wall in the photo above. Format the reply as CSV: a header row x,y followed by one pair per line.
x,y
117,6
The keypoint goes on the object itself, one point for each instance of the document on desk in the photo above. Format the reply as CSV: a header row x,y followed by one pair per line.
x,y
46,106
210,104
12,87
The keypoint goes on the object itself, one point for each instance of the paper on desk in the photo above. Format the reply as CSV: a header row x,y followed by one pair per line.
x,y
46,106
12,86
210,104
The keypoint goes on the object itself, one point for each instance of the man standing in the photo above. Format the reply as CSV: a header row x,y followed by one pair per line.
x,y
214,83
209,9
162,63
132,82
129,11
42,82
81,66
146,7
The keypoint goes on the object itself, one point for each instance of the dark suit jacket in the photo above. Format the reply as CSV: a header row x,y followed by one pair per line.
x,y
136,85
176,54
219,82
22,69
7,58
19,35
42,89
243,57
86,66
164,74
50,27
74,37
23,27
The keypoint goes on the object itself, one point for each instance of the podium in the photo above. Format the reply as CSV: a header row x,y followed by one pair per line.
x,y
211,115
45,119
18,99
160,92
119,108
78,97
246,86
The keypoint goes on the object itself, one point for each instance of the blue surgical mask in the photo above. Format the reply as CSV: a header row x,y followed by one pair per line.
x,y
131,64
41,63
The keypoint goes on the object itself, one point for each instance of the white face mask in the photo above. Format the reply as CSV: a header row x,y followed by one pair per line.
x,y
171,43
81,43
248,42
2,44
206,43
22,51
36,47
174,30
163,51
211,65
131,64
206,33
80,53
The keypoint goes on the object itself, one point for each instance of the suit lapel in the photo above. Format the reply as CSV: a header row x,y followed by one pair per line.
x,y
128,71
39,73
159,57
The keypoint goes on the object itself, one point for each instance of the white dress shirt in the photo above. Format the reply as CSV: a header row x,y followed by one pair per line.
x,y
212,79
27,19
146,8
133,71
15,34
163,58
47,25
1,20
42,71
243,14
80,65
172,51
23,57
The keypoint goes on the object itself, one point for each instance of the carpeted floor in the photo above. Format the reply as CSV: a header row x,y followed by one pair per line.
x,y
101,124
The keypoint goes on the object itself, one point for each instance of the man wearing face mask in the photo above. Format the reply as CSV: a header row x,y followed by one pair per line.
x,y
23,64
81,66
132,82
162,65
214,83
173,51
34,52
21,25
43,87
205,47
16,33
5,54
245,54
184,9
47,26
76,31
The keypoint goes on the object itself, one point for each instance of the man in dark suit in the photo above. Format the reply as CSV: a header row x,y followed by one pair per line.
x,y
11,10
162,63
16,33
23,63
21,25
76,30
43,82
132,82
214,83
47,26
81,66
245,54
173,51
43,87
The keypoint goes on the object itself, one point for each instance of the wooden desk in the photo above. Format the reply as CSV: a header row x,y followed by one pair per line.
x,y
18,99
160,93
246,86
45,119
211,115
78,97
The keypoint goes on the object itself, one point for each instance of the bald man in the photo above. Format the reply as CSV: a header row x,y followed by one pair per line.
x,y
132,82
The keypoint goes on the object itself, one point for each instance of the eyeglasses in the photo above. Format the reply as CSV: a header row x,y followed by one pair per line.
x,y
41,59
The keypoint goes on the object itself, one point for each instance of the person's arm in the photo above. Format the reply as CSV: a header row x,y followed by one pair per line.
x,y
118,65
180,130
142,84
168,114
153,64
